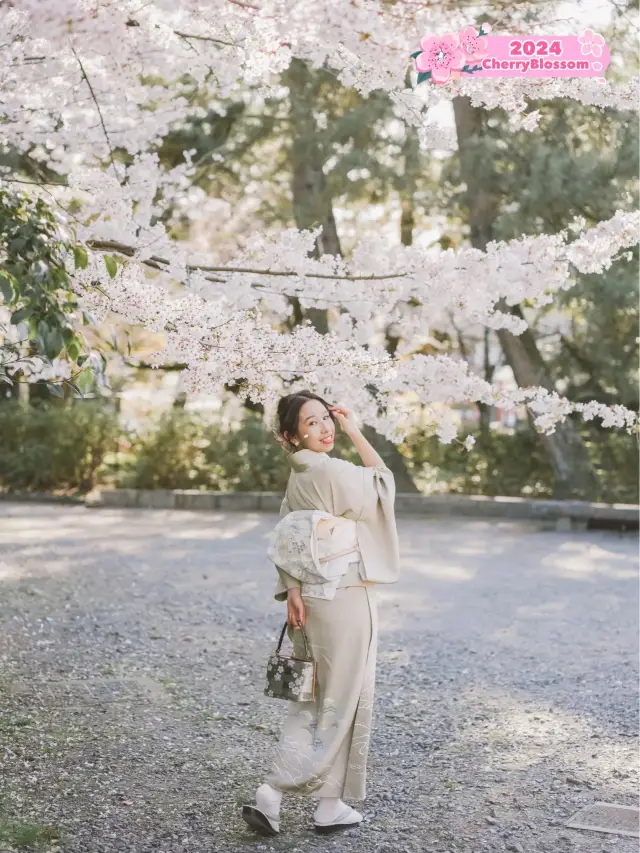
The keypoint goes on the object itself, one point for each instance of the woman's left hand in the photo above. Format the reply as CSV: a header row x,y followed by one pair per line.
x,y
295,608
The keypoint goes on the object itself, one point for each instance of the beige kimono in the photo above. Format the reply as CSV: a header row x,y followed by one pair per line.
x,y
324,744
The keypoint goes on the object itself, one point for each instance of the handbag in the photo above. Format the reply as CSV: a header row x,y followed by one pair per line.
x,y
289,677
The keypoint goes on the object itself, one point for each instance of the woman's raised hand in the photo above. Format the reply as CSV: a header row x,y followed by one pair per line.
x,y
346,419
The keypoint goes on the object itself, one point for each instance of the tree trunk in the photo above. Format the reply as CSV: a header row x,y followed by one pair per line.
x,y
574,474
387,449
485,410
393,459
312,206
411,158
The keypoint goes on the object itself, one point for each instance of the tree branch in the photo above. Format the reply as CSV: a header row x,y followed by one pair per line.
x,y
188,36
95,101
154,261
162,367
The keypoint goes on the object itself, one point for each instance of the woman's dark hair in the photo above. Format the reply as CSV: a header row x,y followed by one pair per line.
x,y
289,412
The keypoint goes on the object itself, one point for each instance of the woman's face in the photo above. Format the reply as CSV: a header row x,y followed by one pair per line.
x,y
315,422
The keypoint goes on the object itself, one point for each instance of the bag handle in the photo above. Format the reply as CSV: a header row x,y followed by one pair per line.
x,y
304,636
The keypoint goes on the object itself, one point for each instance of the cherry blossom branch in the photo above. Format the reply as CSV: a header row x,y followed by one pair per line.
x,y
4,179
244,5
97,105
197,37
155,261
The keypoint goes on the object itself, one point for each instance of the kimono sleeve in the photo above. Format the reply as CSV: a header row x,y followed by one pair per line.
x,y
360,492
285,583
285,509
285,580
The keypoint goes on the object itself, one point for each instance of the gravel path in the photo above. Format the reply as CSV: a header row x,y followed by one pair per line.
x,y
132,650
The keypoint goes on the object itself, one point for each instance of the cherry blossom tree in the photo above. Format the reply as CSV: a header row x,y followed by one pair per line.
x,y
90,88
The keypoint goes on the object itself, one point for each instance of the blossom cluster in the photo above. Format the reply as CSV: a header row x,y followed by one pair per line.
x,y
82,82
121,71
414,286
230,327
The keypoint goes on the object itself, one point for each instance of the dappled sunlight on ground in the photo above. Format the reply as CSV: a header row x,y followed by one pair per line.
x,y
133,645
522,735
439,570
584,560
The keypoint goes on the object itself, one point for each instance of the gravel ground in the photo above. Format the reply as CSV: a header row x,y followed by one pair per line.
x,y
133,645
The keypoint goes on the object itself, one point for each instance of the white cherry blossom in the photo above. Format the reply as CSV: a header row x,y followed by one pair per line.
x,y
80,79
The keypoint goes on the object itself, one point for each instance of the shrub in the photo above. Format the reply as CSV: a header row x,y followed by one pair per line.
x,y
168,455
508,464
187,451
75,445
247,458
515,465
614,454
55,447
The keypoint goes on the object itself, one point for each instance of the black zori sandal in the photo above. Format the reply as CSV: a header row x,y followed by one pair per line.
x,y
341,822
260,821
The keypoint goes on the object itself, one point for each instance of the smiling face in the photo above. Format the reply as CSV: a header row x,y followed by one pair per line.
x,y
316,423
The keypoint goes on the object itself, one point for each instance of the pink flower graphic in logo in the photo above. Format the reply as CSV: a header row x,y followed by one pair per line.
x,y
591,43
441,55
474,45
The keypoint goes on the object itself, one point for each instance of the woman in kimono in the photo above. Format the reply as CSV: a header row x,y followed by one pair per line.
x,y
324,744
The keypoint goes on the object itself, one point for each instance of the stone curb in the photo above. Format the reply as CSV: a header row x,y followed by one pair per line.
x,y
567,514
41,498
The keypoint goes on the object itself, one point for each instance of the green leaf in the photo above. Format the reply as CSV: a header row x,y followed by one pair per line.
x,y
6,289
423,75
416,54
111,265
54,343
84,382
74,348
81,257
56,390
74,388
60,277
19,316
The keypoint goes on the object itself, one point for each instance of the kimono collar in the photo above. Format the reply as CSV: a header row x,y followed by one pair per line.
x,y
302,459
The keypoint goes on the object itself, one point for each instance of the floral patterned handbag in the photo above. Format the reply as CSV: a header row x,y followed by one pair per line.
x,y
289,677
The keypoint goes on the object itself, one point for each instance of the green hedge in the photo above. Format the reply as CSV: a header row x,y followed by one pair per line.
x,y
514,464
52,448
73,447
185,451
509,464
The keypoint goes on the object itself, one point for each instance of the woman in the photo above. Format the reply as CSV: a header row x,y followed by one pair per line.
x,y
324,744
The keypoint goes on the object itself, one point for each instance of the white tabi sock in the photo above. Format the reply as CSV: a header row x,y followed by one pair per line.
x,y
268,800
328,809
